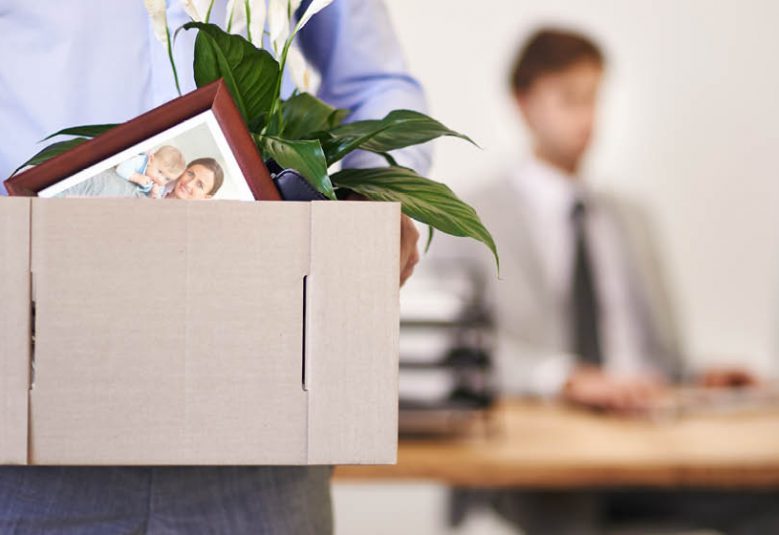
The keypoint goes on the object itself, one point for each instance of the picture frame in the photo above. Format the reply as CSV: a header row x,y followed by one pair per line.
x,y
204,125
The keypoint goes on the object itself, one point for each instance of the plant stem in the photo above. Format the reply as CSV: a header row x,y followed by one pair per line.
x,y
248,20
172,61
208,13
276,106
230,20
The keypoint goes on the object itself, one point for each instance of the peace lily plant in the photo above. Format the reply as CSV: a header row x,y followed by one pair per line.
x,y
303,132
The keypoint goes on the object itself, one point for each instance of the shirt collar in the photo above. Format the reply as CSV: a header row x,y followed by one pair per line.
x,y
545,185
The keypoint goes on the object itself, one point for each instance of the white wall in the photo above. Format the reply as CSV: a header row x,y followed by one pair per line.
x,y
690,125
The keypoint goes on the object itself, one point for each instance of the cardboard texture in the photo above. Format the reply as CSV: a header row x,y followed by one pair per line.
x,y
173,333
14,328
341,431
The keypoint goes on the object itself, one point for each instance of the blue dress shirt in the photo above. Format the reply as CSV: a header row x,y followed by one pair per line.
x,y
93,61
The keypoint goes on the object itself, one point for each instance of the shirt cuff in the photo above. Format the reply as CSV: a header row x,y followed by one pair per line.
x,y
548,377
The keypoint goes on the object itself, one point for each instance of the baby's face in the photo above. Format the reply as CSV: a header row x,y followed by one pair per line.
x,y
160,173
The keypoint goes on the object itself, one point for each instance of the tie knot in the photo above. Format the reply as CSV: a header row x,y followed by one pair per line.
x,y
578,210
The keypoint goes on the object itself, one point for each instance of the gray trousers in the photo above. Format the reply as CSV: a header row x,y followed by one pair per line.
x,y
165,500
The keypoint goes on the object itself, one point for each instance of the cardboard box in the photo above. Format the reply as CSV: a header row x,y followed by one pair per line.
x,y
198,333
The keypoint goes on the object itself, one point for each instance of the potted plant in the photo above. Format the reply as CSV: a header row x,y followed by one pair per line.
x,y
302,132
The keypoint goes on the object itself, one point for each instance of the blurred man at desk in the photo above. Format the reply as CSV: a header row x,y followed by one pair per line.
x,y
581,307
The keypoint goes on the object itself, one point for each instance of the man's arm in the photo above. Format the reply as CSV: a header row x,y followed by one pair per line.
x,y
353,46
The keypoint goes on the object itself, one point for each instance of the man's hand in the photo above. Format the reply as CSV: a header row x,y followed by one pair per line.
x,y
409,254
409,237
591,387
727,378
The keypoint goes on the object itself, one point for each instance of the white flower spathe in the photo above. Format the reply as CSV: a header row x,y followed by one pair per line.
x,y
192,10
235,16
299,69
315,7
242,12
278,23
257,24
159,19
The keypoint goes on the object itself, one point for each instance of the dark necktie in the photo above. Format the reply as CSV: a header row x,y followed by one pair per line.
x,y
586,339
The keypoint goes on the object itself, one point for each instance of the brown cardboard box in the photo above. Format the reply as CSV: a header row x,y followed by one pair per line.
x,y
198,333
14,328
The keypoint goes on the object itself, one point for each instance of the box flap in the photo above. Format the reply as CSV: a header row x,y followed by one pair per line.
x,y
14,328
352,333
169,332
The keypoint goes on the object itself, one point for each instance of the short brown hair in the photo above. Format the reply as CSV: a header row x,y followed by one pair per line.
x,y
213,166
548,51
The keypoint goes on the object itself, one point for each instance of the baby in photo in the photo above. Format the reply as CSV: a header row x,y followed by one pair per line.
x,y
152,171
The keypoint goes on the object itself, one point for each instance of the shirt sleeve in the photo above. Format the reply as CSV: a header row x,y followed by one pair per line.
x,y
353,47
136,164
521,366
524,370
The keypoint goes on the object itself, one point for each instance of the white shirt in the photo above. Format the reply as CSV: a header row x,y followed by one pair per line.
x,y
549,195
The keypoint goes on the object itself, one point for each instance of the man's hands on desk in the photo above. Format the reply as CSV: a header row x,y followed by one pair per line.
x,y
592,387
724,377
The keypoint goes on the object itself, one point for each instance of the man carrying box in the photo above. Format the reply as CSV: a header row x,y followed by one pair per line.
x,y
76,47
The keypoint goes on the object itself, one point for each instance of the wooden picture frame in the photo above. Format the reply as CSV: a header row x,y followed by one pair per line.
x,y
214,97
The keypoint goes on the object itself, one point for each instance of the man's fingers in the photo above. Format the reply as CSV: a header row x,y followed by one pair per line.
x,y
408,268
409,254
726,377
406,273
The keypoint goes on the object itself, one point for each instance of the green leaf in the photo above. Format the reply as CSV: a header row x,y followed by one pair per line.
x,y
249,72
258,123
390,160
399,129
304,115
55,149
304,156
92,130
422,199
430,232
336,148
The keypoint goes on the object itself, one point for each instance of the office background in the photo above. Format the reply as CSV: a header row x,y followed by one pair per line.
x,y
689,126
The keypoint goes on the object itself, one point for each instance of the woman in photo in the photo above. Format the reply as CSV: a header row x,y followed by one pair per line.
x,y
200,180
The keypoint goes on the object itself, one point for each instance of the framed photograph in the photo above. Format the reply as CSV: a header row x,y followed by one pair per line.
x,y
195,147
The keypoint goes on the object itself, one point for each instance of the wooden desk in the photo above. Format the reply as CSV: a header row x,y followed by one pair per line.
x,y
547,446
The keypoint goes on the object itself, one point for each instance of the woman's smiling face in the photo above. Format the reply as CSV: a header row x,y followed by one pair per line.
x,y
195,184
